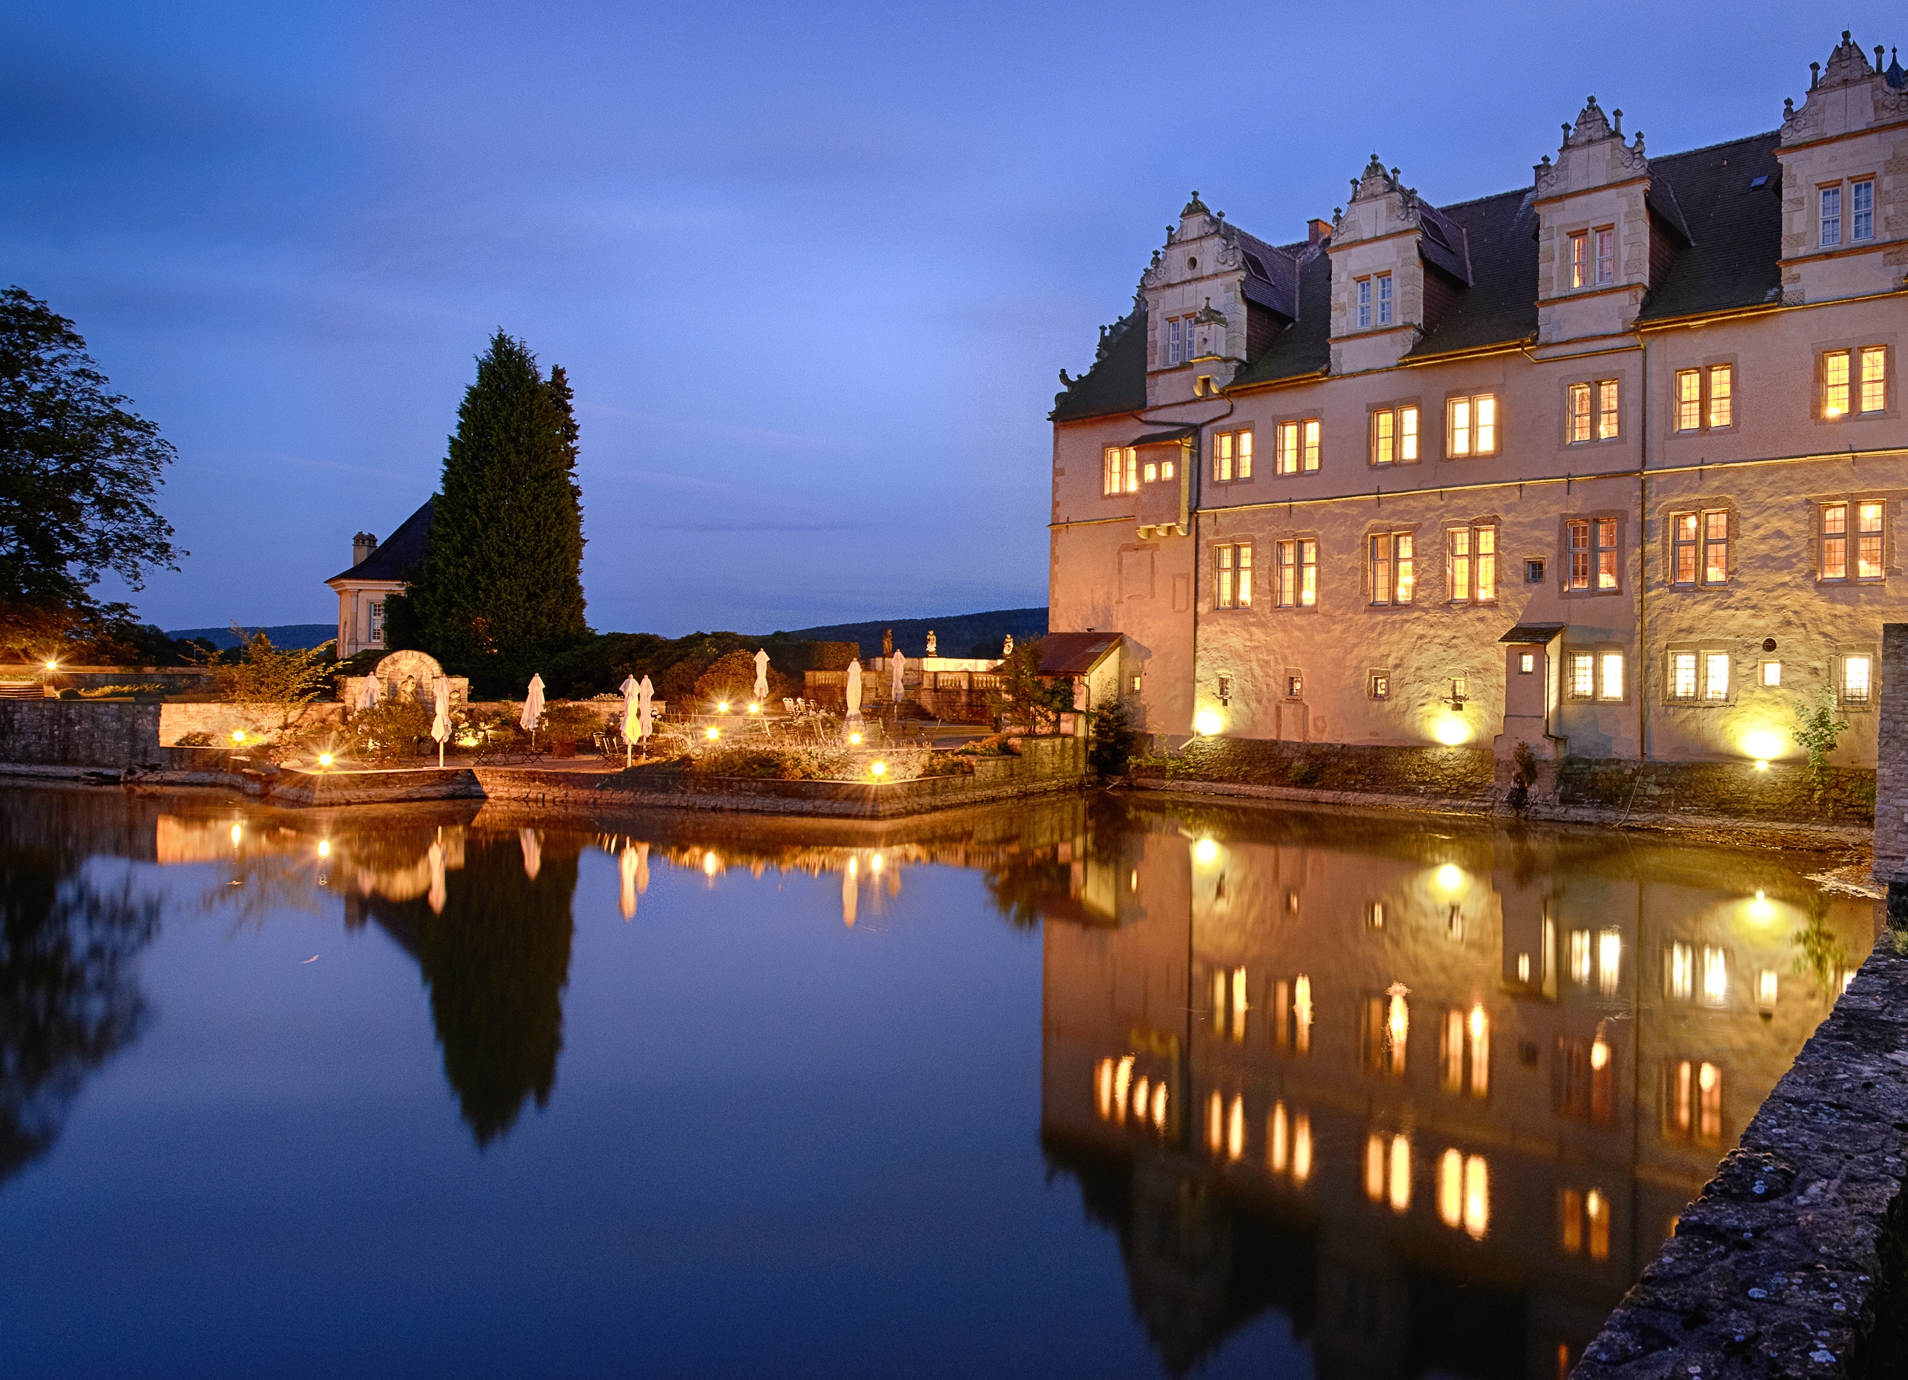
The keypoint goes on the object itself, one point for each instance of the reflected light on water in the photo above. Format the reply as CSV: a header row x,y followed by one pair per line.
x,y
238,832
324,848
1206,852
1451,881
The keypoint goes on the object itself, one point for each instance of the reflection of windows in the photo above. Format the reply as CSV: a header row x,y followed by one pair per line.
x,y
1374,915
1585,1079
1288,1143
1388,1170
1679,971
1119,1097
1693,1105
1229,1004
1715,975
1464,1063
1464,1193
1384,1033
1292,1014
1584,1228
1225,1126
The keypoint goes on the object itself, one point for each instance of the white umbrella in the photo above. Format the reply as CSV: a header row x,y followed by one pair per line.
x,y
436,897
532,852
896,664
369,696
634,867
761,674
440,722
644,693
631,693
532,708
854,686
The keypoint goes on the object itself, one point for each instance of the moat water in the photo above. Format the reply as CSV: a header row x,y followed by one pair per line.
x,y
1081,1088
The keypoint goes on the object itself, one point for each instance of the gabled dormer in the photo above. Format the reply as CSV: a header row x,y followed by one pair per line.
x,y
1396,262
1844,212
1212,295
1598,240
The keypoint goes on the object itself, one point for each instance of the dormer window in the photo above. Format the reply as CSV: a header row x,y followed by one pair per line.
x,y
1364,303
1174,343
1861,206
1831,216
1384,299
1606,256
1580,259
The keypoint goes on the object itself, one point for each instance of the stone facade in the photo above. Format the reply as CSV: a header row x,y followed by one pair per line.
x,y
1537,348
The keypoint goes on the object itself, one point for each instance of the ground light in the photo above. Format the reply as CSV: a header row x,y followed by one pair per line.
x,y
722,707
879,769
1764,745
754,708
1206,852
1451,730
1208,722
238,735
712,733
324,759
854,740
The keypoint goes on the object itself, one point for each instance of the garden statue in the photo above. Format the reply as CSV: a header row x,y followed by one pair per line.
x,y
930,650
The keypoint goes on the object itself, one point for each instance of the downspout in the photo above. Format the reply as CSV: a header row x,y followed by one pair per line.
x,y
1195,500
1643,577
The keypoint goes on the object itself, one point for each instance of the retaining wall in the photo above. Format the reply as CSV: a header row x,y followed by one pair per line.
x,y
75,733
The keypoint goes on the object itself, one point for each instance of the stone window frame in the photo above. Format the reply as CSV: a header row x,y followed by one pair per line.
x,y
1495,524
1623,540
1277,543
1851,580
1246,458
1298,420
1701,509
1396,408
1838,676
1231,547
1378,684
1457,395
1596,651
1702,649
1595,386
1705,367
1887,342
1367,574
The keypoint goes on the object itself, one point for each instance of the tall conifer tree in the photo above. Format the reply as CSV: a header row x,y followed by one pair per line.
x,y
501,586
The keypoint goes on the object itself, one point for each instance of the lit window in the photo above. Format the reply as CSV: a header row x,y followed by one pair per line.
x,y
1858,679
1526,663
1583,675
1384,299
1721,396
1232,456
1407,434
1835,383
1298,573
1298,446
1683,530
1699,547
1580,260
1579,428
1831,216
1391,568
1458,562
1607,410
1234,570
1471,564
1593,553
1715,547
1609,961
1388,1170
1310,432
1471,425
1874,378
1394,436
1288,460
1868,541
1610,676
1486,565
1121,472
1150,474
1689,399
1861,207
1772,674
1833,564
1716,671
1364,303
1606,256
1682,675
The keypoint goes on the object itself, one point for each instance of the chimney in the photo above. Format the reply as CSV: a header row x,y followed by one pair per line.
x,y
1316,230
362,546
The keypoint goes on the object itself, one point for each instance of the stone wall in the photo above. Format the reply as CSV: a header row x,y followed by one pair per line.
x,y
78,733
1781,791
1436,772
1891,778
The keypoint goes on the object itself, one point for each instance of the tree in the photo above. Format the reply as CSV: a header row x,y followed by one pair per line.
x,y
1818,725
78,475
501,585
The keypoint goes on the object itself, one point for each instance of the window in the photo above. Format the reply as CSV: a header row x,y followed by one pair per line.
x,y
1298,446
1831,216
1872,395
1464,1061
1606,256
1874,378
1699,547
1533,572
1378,685
1834,556
1579,427
1235,575
1121,472
1172,341
1699,677
1394,436
1582,426
1471,425
1526,663
1580,260
1861,206
1689,399
1232,456
1471,563
1298,573
1384,299
1594,675
377,622
1364,303
1856,683
1771,674
1835,383
1391,568
1593,553
1607,410
1716,667
1721,396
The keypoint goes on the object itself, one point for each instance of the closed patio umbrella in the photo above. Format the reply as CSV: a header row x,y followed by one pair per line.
x,y
761,674
532,852
440,721
644,694
854,687
437,892
532,706
896,664
631,694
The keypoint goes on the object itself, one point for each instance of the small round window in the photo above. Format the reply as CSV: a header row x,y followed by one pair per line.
x,y
1192,262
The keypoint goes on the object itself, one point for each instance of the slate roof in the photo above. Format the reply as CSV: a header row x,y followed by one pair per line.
x,y
1074,653
399,554
1729,244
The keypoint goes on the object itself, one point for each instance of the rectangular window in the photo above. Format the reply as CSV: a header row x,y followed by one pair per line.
x,y
1384,299
1458,562
1716,547
1874,378
1384,438
1150,473
1721,396
1868,541
1606,256
1682,678
1364,303
1831,216
1309,431
1858,680
1392,579
1471,564
1120,474
1607,410
1716,667
1580,260
1606,553
1835,383
1234,575
1579,426
1689,399
1683,544
1833,564
1222,457
1580,553
1610,675
1408,435
1298,573
377,622
1861,207
1172,341
1592,546
1471,425
1232,456
1245,454
1583,673
1487,565
1288,457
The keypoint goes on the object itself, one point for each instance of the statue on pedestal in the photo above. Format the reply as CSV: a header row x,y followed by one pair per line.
x,y
930,650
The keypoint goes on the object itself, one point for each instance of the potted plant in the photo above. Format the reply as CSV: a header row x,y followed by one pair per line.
x,y
568,723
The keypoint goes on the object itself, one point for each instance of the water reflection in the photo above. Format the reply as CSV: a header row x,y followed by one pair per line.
x,y
1468,1078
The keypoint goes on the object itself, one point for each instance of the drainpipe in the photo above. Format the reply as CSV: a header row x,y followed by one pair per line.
x,y
1643,576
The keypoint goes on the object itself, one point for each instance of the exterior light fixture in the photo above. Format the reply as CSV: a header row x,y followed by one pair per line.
x,y
712,733
324,759
238,735
879,769
1206,852
854,740
1208,722
722,707
754,708
52,665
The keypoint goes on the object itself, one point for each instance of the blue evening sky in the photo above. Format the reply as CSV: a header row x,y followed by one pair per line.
x,y
812,267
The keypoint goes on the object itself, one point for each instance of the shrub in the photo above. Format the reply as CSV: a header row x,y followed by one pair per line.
x,y
568,720
1114,738
1817,727
392,728
1524,765
288,677
197,738
1302,772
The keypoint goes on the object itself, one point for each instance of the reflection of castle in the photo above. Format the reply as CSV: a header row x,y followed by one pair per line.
x,y
1437,1097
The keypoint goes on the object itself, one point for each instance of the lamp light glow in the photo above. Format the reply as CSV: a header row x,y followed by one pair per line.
x,y
1208,722
324,848
1764,745
1206,852
238,832
52,665
854,740
324,759
722,707
1762,764
878,768
1451,730
754,708
238,735
712,733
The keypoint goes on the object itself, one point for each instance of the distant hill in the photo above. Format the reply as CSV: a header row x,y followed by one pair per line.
x,y
958,634
284,635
